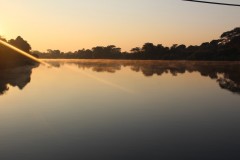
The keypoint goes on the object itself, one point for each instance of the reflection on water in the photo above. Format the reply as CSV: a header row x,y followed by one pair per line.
x,y
121,110
16,77
227,74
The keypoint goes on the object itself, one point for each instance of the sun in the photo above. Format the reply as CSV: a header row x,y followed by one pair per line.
x,y
1,31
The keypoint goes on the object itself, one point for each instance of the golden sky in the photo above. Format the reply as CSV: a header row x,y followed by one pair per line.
x,y
70,25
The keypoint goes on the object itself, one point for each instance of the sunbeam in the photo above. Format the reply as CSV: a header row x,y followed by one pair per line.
x,y
23,53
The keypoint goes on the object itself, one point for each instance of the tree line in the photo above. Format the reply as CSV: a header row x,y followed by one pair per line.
x,y
224,73
227,47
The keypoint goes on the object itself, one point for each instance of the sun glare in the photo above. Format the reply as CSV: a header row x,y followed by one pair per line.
x,y
22,52
1,31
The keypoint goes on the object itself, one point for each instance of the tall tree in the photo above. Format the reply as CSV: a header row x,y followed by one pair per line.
x,y
20,43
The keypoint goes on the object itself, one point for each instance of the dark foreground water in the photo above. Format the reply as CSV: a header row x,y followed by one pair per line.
x,y
121,110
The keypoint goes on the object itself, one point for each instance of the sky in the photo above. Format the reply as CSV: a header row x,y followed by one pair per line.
x,y
70,25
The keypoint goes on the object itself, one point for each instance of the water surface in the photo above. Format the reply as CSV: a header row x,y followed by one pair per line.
x,y
121,110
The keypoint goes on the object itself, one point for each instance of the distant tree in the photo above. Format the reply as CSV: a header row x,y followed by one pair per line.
x,y
215,43
110,51
136,50
113,49
98,52
54,52
181,47
160,48
230,35
174,46
149,48
225,48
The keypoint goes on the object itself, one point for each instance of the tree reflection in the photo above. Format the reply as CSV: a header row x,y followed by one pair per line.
x,y
15,77
226,74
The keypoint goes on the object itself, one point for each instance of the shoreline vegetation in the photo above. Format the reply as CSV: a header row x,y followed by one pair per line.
x,y
226,48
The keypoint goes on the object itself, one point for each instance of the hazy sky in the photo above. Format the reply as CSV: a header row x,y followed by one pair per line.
x,y
69,25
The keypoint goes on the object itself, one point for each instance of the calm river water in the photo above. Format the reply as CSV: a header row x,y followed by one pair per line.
x,y
121,110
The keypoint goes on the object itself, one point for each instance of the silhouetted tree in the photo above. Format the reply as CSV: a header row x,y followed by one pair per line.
x,y
10,58
225,48
230,35
20,43
149,48
136,50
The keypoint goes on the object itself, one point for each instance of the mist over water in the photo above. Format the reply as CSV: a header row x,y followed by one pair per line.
x,y
104,109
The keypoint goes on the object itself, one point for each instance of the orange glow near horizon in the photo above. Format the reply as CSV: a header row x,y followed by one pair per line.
x,y
70,25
